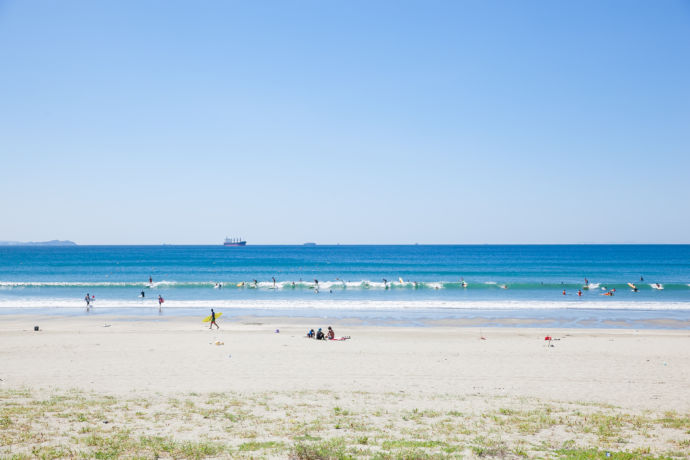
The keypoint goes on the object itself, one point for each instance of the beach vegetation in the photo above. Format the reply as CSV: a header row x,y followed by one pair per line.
x,y
332,449
402,443
596,454
305,425
259,445
671,419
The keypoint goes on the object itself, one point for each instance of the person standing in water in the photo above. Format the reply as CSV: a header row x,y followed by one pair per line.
x,y
87,299
160,302
213,320
150,280
143,294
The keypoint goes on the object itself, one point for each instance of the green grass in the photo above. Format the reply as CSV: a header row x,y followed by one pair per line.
x,y
595,454
332,449
255,445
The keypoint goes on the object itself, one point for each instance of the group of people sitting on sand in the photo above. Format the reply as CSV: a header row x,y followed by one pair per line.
x,y
319,335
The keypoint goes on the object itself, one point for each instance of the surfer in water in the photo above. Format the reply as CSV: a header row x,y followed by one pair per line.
x,y
160,302
150,280
213,320
274,281
142,295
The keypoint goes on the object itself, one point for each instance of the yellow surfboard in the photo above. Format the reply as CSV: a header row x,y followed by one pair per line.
x,y
208,318
240,284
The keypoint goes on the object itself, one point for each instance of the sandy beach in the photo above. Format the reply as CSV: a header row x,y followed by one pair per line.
x,y
392,371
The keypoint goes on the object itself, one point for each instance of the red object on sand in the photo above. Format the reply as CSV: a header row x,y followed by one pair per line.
x,y
548,337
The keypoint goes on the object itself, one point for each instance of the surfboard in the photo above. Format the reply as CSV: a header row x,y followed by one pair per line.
x,y
240,284
632,286
401,281
208,318
657,286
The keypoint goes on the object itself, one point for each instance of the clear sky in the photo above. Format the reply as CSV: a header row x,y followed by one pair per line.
x,y
345,121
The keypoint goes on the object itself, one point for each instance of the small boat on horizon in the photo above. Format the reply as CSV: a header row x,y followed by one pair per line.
x,y
234,242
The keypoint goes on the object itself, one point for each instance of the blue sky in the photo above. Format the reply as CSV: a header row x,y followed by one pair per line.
x,y
353,122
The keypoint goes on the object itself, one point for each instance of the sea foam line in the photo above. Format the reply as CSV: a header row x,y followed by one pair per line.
x,y
338,285
301,304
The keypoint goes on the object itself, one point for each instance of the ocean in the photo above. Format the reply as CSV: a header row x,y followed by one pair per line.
x,y
408,284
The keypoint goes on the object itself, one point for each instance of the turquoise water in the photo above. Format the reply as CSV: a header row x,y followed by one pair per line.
x,y
350,278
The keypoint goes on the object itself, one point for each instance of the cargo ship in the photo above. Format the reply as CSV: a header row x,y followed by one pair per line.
x,y
234,242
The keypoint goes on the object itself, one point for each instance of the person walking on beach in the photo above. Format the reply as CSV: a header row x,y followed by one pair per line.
x,y
213,320
160,302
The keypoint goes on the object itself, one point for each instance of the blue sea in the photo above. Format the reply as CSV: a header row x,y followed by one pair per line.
x,y
406,284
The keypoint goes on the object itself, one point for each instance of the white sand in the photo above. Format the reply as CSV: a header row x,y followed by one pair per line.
x,y
645,369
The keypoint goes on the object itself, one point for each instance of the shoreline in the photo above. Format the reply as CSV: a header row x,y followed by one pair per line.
x,y
574,318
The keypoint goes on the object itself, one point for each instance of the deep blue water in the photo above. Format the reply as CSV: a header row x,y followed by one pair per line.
x,y
350,278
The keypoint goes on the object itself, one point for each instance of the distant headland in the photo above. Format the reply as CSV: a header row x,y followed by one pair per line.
x,y
39,243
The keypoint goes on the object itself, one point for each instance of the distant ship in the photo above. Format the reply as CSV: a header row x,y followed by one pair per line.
x,y
234,242
309,244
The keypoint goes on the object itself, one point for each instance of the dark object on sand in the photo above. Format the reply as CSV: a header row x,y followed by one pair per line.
x,y
35,328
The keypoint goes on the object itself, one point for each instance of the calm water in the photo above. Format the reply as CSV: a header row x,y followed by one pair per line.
x,y
350,278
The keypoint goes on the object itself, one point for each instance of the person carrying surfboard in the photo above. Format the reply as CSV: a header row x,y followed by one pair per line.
x,y
213,320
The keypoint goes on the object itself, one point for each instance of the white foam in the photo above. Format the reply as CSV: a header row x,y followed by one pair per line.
x,y
329,304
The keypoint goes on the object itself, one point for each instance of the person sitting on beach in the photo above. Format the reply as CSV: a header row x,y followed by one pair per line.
x,y
331,334
319,335
310,334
